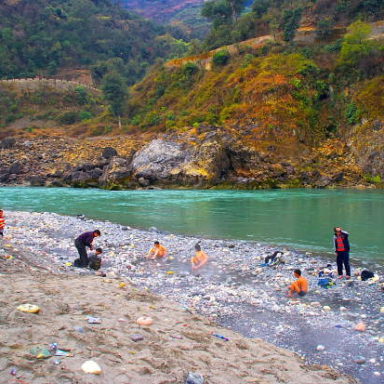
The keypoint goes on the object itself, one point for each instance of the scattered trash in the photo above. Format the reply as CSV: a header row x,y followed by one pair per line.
x,y
93,320
91,367
382,310
144,320
79,329
53,348
122,285
170,272
360,361
220,337
29,308
137,337
40,352
194,378
69,264
326,308
13,372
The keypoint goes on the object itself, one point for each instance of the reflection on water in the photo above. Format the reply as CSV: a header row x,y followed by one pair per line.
x,y
297,218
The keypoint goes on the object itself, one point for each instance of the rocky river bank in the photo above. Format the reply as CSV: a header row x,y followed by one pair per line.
x,y
232,290
210,159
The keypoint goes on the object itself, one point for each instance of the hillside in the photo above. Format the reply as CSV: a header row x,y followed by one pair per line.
x,y
44,37
266,112
185,14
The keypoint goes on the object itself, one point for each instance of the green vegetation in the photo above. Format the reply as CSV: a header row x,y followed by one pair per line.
x,y
61,107
282,17
42,36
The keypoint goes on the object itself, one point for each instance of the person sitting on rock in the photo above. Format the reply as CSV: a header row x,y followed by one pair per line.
x,y
199,259
83,241
300,286
158,250
95,259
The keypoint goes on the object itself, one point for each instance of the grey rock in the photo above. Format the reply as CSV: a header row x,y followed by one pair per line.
x,y
7,143
118,170
109,152
159,160
194,378
16,168
137,337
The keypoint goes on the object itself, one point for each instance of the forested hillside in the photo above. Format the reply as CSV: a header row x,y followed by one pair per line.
x,y
231,24
185,14
41,37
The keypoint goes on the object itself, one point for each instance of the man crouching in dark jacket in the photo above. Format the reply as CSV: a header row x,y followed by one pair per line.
x,y
83,241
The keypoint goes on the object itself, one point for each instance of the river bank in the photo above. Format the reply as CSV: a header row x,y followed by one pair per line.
x,y
176,344
232,290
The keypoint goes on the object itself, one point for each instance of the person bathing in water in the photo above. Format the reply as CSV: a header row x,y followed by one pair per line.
x,y
158,251
300,286
83,241
199,259
341,241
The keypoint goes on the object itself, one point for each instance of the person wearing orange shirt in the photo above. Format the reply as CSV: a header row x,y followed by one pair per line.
x,y
158,250
2,223
300,286
199,259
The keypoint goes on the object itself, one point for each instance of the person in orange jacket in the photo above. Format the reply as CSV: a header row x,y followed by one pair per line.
x,y
2,223
300,286
158,250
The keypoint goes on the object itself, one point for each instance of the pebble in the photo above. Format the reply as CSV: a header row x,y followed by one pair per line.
x,y
194,378
320,348
91,366
137,337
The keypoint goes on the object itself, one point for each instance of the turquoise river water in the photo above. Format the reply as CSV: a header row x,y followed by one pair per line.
x,y
301,219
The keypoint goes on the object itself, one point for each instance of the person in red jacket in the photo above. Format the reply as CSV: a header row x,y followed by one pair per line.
x,y
341,241
2,223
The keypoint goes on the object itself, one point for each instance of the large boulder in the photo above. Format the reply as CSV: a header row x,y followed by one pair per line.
x,y
159,160
169,162
118,171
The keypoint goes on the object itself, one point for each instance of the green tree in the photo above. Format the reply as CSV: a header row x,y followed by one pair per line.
x,y
223,11
290,23
355,44
115,93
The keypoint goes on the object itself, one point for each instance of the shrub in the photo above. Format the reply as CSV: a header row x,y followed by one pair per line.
x,y
69,118
221,58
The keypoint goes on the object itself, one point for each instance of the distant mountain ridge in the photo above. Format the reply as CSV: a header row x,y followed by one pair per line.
x,y
159,10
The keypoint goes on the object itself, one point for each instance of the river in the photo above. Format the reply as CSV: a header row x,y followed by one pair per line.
x,y
300,218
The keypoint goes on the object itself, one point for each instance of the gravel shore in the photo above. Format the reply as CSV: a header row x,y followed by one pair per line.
x,y
233,290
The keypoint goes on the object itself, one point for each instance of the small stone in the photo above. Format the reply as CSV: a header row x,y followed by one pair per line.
x,y
194,378
137,337
326,308
91,367
343,309
360,361
320,348
382,310
361,327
